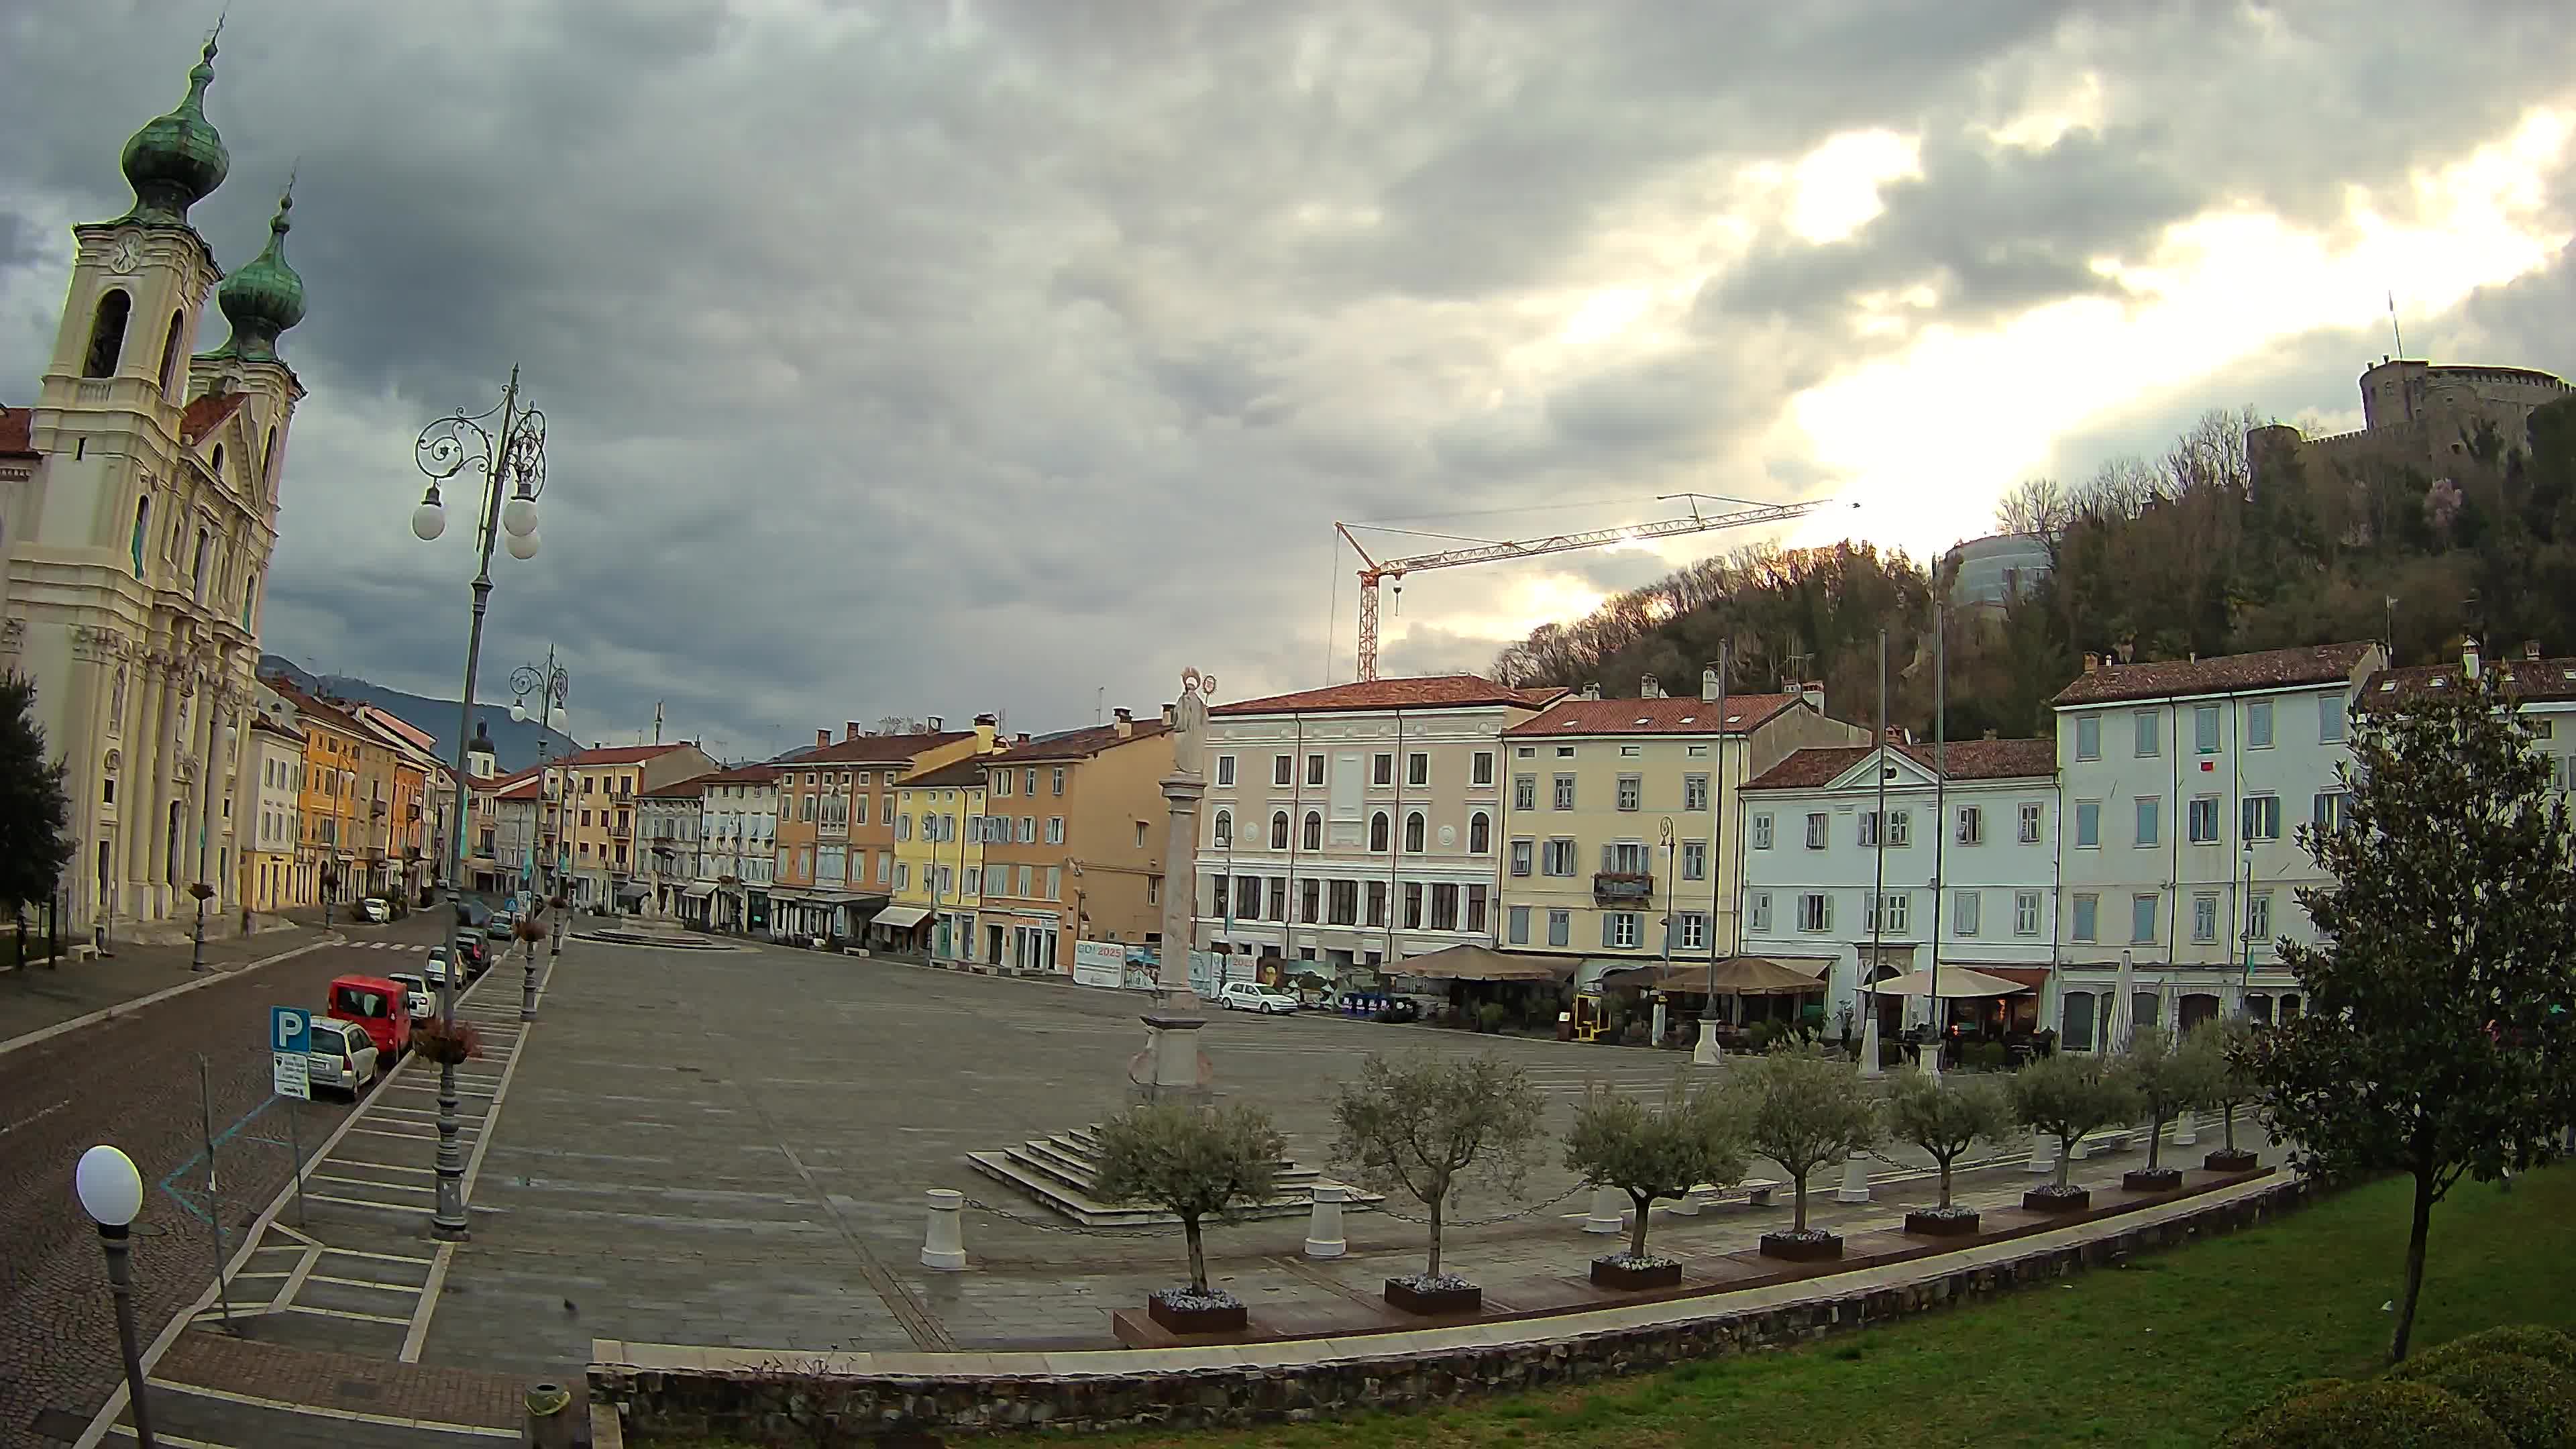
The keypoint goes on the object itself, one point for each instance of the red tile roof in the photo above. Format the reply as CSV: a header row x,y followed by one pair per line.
x,y
1078,744
1438,691
1964,760
2165,678
275,727
523,786
328,712
968,772
874,749
17,432
1669,716
691,788
207,413
744,775
2524,679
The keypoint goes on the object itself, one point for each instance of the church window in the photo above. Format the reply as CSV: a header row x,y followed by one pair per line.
x,y
170,356
142,520
219,462
197,572
107,334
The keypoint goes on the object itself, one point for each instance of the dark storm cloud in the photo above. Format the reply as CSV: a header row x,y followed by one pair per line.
x,y
928,358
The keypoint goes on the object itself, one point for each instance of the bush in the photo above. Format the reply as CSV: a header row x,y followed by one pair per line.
x,y
2529,1340
1989,1056
2250,1431
2532,1401
2382,1414
1492,1015
1765,1035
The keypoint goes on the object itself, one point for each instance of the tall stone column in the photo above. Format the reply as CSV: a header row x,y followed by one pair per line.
x,y
1173,1063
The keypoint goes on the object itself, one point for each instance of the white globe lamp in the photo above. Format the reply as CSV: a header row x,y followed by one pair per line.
x,y
519,516
429,520
523,546
110,1190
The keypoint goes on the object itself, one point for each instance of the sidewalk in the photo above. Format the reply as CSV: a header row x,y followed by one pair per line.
x,y
35,997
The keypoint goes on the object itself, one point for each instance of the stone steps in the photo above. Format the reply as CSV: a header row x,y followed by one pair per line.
x,y
1059,1172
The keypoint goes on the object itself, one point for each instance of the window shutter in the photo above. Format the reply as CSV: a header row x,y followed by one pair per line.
x,y
1607,859
1605,928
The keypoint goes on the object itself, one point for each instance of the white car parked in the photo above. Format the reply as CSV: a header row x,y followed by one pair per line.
x,y
1253,996
416,994
341,1056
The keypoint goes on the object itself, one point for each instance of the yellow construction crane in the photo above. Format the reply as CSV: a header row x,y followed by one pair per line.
x,y
1374,571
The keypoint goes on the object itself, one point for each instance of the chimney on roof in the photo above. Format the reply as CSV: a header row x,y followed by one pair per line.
x,y
1168,718
1021,738
2092,661
1812,691
2469,658
1990,734
1708,686
1590,691
2128,650
849,729
1649,687
2531,649
1123,721
990,719
822,738
933,725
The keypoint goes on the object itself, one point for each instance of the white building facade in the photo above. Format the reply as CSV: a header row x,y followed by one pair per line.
x,y
1962,865
668,826
2184,783
738,844
1291,861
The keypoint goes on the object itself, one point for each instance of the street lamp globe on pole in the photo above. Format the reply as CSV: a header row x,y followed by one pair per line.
x,y
552,686
507,446
111,1192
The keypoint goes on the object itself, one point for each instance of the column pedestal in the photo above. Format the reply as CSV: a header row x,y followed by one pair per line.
x,y
1855,1186
1172,1067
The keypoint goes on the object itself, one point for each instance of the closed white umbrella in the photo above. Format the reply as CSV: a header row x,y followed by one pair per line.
x,y
2123,1013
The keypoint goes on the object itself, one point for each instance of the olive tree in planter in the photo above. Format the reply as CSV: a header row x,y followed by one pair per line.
x,y
2167,1081
1946,1116
1804,1107
2231,1087
1194,1163
1425,1127
2065,1096
1652,1153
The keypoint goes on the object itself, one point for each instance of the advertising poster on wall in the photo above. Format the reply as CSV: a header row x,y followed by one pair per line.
x,y
1102,964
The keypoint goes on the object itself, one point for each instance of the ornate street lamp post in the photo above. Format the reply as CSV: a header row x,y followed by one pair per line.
x,y
513,463
552,686
111,1192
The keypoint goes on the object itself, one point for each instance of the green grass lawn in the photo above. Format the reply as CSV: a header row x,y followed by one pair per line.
x,y
2167,1351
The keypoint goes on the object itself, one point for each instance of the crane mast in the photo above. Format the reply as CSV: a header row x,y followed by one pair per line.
x,y
1375,571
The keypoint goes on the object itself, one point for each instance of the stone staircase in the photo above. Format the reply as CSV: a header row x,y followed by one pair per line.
x,y
1060,1172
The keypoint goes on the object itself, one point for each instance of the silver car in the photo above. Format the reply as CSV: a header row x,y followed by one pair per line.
x,y
341,1056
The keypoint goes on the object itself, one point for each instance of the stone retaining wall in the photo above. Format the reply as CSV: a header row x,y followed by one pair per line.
x,y
779,1400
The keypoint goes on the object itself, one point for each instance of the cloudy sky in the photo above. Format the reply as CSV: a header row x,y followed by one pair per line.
x,y
929,358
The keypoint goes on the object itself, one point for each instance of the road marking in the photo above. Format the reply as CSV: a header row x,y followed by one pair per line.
x,y
407,1209
418,1334
326,1411
295,1281
310,1311
365,1283
173,1440
380,1257
38,1115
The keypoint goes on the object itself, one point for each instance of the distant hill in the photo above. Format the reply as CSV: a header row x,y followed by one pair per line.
x,y
514,745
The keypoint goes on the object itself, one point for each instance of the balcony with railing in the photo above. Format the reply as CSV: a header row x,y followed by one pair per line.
x,y
1623,887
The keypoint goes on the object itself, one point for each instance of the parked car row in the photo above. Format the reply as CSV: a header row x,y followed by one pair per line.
x,y
367,1023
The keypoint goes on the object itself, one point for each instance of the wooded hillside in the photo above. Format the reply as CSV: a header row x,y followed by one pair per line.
x,y
2187,553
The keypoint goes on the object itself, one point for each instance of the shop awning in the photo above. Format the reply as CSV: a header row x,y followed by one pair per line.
x,y
903,918
633,892
1736,976
698,892
1483,963
1956,982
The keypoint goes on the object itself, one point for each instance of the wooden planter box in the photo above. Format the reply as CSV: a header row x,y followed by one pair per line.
x,y
1941,1225
1794,1249
2224,1160
1434,1302
2039,1201
2151,1179
1196,1318
1613,1273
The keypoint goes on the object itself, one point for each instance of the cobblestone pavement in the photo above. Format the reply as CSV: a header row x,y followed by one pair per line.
x,y
133,1081
35,997
733,1150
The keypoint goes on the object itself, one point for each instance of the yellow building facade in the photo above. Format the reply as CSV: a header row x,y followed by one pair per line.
x,y
939,857
1619,815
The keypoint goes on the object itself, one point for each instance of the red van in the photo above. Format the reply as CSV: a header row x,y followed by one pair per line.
x,y
379,1006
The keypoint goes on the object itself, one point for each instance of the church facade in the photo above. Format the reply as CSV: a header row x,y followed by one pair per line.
x,y
139,500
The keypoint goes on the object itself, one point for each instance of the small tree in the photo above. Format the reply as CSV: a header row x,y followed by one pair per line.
x,y
2448,935
1192,1162
1804,1107
2222,1046
2166,1080
35,819
1426,1125
2066,1096
1655,1152
1945,1116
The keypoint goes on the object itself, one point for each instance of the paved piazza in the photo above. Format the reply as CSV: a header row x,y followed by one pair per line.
x,y
733,1149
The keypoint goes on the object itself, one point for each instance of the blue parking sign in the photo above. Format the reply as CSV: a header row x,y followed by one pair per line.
x,y
290,1029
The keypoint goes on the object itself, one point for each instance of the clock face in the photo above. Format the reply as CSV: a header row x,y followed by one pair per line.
x,y
127,251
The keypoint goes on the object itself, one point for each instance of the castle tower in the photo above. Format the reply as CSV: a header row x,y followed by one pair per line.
x,y
137,547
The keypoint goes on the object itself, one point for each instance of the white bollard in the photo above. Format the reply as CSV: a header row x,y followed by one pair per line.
x,y
2187,1130
1869,1045
1855,1186
1685,1206
1609,1211
1324,1221
2043,1153
943,1248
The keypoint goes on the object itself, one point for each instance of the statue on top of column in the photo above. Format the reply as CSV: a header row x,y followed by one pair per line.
x,y
1189,722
